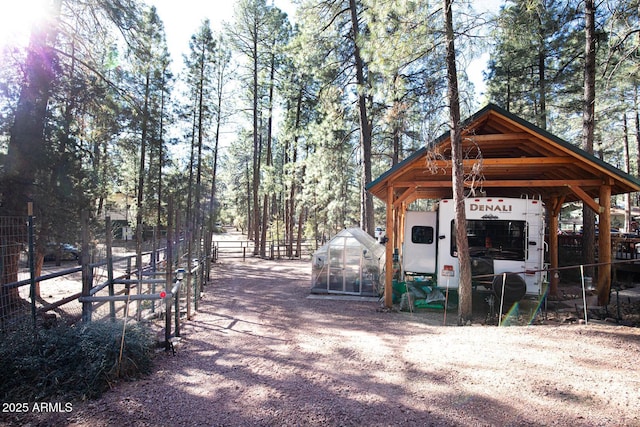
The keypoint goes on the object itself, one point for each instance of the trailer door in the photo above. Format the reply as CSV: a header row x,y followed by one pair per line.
x,y
419,249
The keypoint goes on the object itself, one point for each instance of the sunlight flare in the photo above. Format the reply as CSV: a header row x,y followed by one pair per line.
x,y
17,19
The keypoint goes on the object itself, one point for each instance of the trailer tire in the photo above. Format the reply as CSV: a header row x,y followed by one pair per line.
x,y
515,287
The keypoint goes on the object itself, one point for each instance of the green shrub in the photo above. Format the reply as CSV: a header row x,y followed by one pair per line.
x,y
76,362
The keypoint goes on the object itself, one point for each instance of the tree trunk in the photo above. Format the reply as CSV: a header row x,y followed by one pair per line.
x,y
26,154
292,190
212,198
588,123
198,216
464,286
160,152
627,169
636,122
298,253
365,125
263,226
256,151
542,83
269,154
249,201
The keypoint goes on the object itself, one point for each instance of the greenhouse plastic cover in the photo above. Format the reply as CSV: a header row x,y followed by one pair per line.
x,y
351,263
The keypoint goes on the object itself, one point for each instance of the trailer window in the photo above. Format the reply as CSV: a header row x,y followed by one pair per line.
x,y
422,234
498,239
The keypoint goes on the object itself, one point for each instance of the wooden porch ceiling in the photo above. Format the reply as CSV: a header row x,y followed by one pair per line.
x,y
512,157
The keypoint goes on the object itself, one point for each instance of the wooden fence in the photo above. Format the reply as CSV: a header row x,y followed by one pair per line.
x,y
241,249
622,246
111,282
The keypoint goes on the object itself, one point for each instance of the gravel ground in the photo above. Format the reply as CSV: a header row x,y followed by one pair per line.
x,y
260,352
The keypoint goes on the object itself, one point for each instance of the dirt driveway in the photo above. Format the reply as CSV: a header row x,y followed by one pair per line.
x,y
261,353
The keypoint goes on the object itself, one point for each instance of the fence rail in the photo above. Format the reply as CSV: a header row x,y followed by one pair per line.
x,y
140,285
622,246
273,250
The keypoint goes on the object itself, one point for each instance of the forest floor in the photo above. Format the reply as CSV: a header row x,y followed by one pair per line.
x,y
261,351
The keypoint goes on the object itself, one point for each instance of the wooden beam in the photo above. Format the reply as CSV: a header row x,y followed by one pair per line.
x,y
388,262
517,161
526,183
414,196
556,205
496,137
430,194
588,200
553,246
400,216
406,194
604,246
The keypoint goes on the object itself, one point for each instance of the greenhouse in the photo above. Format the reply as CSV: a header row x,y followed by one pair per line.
x,y
351,263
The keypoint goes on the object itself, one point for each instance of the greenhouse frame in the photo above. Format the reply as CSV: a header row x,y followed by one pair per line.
x,y
351,263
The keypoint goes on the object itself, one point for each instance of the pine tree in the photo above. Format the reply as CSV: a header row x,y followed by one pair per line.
x,y
47,160
324,25
535,59
457,174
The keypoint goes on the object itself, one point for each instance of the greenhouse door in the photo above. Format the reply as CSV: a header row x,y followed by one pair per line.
x,y
352,260
344,266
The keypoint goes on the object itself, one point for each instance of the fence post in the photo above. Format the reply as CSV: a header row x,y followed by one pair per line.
x,y
177,302
32,269
109,236
168,275
86,269
139,241
155,261
196,292
154,248
189,242
167,319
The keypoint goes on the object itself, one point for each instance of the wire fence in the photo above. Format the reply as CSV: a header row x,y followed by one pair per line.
x,y
14,268
575,300
159,280
164,278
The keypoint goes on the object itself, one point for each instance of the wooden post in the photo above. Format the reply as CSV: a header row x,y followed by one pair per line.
x,y
388,277
109,241
154,249
34,289
168,276
189,278
176,296
86,269
554,211
604,246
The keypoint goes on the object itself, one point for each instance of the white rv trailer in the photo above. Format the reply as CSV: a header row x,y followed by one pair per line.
x,y
506,235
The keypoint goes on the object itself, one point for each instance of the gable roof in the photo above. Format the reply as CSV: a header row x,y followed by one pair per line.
x,y
353,237
514,158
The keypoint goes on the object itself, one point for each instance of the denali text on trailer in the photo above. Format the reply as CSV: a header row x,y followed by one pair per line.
x,y
506,235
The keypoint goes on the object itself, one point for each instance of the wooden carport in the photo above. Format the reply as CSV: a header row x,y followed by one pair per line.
x,y
511,158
